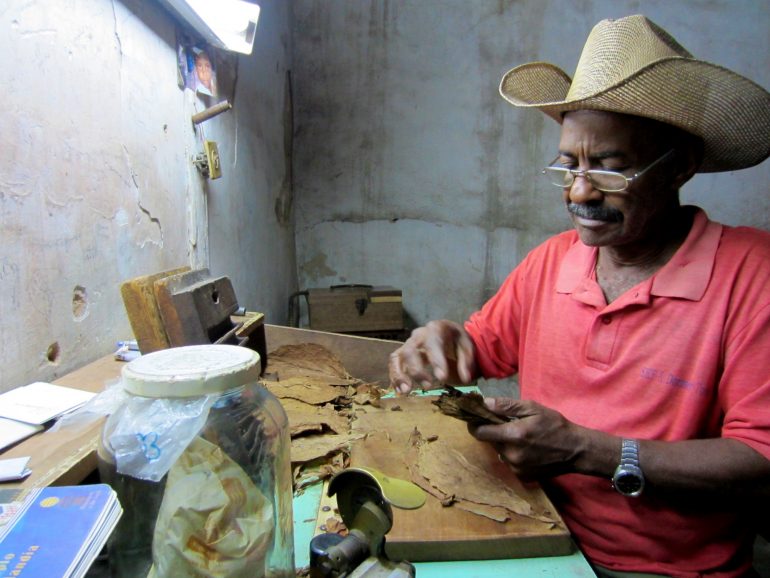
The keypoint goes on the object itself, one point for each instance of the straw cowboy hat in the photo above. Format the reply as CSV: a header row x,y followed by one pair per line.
x,y
633,66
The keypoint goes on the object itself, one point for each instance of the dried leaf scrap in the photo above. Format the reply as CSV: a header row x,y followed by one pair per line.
x,y
307,359
307,448
305,418
446,474
307,389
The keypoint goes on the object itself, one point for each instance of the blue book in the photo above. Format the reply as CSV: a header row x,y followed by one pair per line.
x,y
58,531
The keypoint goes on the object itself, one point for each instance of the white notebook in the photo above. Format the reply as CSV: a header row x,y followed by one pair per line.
x,y
12,431
40,402
14,469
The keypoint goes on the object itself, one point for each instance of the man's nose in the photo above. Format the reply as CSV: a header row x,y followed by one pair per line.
x,y
582,191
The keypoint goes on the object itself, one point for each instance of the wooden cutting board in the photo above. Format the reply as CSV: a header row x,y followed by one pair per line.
x,y
435,532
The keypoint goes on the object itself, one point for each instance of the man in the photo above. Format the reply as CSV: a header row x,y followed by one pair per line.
x,y
641,338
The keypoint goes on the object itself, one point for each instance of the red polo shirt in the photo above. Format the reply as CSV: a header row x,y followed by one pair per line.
x,y
683,355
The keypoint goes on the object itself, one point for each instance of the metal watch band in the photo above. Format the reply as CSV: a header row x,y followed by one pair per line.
x,y
628,478
629,453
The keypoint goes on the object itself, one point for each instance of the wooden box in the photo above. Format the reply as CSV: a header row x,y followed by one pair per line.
x,y
355,308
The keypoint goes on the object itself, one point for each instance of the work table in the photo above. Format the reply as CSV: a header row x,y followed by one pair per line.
x,y
67,456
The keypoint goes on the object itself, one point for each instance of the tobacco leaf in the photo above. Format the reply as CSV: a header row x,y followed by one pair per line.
x,y
412,458
365,393
307,360
336,526
316,392
307,448
305,418
446,474
307,389
468,407
309,473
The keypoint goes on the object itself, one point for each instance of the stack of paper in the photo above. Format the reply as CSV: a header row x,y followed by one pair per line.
x,y
12,431
14,469
24,410
57,531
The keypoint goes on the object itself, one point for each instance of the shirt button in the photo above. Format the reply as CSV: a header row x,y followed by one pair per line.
x,y
607,320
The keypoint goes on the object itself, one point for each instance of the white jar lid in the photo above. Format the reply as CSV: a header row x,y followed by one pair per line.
x,y
191,371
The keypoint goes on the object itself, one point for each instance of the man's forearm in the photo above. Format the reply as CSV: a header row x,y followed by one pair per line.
x,y
721,466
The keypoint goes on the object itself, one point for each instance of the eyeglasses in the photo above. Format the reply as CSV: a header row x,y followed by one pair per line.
x,y
605,181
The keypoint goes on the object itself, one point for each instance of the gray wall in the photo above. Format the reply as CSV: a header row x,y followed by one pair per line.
x,y
412,171
408,168
96,183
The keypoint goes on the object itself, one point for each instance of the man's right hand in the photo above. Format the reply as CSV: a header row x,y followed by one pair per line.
x,y
440,352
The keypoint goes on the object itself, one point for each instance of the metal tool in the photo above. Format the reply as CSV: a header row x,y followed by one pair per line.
x,y
364,500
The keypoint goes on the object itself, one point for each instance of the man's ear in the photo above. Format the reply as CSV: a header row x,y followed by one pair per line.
x,y
688,160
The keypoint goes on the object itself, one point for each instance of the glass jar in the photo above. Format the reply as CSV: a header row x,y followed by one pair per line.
x,y
199,457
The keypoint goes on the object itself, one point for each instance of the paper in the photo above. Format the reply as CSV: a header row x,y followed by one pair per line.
x,y
213,521
40,402
12,431
14,469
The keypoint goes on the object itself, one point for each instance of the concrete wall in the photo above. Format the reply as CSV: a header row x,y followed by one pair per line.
x,y
412,171
408,168
96,183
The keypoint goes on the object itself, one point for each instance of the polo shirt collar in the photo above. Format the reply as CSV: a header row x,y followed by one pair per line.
x,y
685,276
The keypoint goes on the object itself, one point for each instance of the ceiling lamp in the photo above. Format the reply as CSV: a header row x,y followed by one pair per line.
x,y
227,24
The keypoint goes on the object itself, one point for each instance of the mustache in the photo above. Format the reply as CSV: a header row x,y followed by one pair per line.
x,y
595,212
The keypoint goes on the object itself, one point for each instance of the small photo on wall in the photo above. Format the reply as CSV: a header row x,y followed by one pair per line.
x,y
196,65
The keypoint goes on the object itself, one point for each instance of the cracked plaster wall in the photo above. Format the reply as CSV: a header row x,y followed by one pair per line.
x,y
96,184
412,171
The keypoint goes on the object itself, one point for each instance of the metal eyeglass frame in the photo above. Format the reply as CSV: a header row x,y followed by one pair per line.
x,y
552,170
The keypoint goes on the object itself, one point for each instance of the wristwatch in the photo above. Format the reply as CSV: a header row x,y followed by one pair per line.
x,y
628,479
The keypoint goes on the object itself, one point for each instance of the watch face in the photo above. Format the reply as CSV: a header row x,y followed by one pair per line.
x,y
628,484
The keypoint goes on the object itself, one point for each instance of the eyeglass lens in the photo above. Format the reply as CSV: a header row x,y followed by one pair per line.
x,y
602,180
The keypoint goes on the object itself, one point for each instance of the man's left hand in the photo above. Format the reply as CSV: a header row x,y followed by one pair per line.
x,y
536,442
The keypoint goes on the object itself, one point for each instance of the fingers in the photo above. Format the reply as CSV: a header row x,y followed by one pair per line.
x,y
435,353
409,366
506,433
408,371
512,432
440,352
508,406
511,407
466,359
450,352
537,441
398,381
511,459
